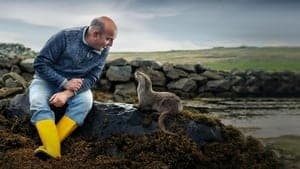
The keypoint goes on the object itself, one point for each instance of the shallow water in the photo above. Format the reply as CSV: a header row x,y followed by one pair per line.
x,y
275,121
264,123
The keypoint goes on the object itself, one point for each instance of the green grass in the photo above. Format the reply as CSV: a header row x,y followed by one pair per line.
x,y
242,58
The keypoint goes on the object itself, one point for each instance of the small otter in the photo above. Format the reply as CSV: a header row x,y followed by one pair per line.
x,y
165,103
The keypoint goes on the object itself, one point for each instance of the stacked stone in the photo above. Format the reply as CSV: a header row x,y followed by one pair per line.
x,y
186,80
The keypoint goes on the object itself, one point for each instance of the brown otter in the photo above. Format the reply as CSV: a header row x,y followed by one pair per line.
x,y
165,103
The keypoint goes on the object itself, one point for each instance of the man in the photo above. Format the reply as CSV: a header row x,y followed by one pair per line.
x,y
66,68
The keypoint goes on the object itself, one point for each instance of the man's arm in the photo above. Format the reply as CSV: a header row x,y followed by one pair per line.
x,y
60,99
94,74
48,56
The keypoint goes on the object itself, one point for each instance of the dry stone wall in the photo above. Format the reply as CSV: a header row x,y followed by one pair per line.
x,y
186,80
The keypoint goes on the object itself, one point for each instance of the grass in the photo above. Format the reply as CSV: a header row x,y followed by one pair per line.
x,y
241,58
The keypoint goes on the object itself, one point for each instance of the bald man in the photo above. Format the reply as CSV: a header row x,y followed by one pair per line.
x,y
66,68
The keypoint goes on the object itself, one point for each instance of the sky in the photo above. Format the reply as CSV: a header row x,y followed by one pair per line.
x,y
158,25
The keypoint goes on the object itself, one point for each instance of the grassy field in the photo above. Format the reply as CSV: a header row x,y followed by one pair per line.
x,y
241,58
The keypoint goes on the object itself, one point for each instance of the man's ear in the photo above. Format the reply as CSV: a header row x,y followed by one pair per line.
x,y
95,34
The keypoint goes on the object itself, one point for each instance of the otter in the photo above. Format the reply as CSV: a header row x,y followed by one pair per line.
x,y
165,103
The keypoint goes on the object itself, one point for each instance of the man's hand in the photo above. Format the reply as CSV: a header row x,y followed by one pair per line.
x,y
74,84
59,99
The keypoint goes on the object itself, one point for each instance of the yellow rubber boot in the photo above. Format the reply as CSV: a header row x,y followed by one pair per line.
x,y
65,127
49,137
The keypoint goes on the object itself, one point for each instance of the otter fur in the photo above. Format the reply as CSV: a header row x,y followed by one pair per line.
x,y
165,103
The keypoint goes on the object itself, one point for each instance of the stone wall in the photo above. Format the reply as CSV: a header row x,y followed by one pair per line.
x,y
185,80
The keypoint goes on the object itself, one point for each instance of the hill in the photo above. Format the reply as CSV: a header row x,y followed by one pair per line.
x,y
241,58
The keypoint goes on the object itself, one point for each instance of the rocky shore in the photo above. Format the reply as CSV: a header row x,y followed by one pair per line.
x,y
186,80
116,135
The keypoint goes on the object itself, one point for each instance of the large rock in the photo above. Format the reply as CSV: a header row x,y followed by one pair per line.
x,y
117,62
186,67
185,84
212,75
157,77
109,119
218,85
119,73
27,65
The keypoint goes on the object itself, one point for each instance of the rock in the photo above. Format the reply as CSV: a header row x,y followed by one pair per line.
x,y
3,71
16,69
200,68
218,85
157,77
104,84
146,63
7,91
212,75
27,65
185,84
167,67
125,93
13,79
186,67
19,106
27,76
110,119
176,73
202,133
198,78
119,73
117,62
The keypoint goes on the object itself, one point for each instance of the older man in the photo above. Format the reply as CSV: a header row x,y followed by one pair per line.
x,y
66,68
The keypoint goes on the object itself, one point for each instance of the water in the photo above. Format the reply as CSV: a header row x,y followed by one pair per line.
x,y
275,121
264,123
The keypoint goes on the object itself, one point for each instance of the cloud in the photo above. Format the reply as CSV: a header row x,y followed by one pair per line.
x,y
157,24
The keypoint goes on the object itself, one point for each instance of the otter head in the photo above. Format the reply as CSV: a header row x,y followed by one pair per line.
x,y
143,79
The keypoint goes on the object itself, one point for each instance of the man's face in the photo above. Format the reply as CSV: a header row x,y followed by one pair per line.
x,y
104,39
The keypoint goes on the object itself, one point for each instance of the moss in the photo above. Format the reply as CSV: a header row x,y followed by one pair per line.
x,y
102,96
201,118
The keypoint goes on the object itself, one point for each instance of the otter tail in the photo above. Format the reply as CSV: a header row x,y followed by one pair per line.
x,y
161,123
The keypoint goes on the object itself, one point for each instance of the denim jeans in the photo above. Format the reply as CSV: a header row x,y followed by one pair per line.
x,y
39,94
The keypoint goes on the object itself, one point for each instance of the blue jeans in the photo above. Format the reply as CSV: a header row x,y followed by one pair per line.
x,y
39,94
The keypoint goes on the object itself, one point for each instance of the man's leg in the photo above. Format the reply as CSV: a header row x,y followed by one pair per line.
x,y
78,108
43,118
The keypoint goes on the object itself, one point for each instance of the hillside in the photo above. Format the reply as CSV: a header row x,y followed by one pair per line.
x,y
219,58
241,58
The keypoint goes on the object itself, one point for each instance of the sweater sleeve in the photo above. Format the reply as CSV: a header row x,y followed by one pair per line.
x,y
43,63
93,76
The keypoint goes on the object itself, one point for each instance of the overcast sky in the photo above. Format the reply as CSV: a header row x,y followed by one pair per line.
x,y
155,25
